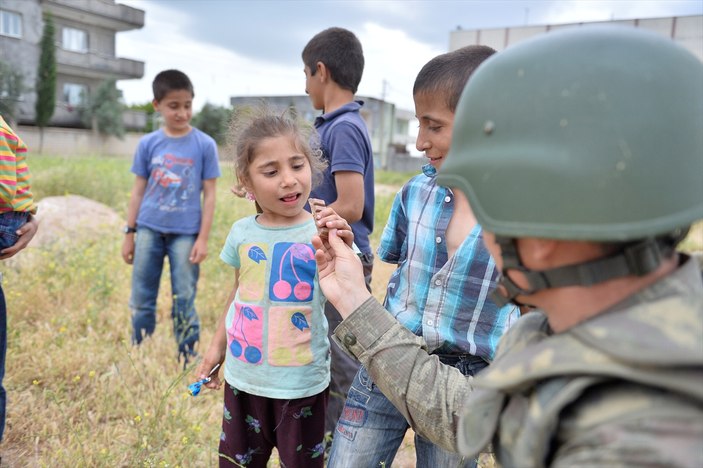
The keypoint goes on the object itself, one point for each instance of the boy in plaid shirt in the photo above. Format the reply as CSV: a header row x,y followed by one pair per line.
x,y
443,271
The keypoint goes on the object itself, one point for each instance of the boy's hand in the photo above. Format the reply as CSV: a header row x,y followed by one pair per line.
x,y
26,233
198,252
211,358
341,274
128,249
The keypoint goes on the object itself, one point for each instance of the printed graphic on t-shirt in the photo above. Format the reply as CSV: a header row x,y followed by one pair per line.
x,y
245,335
292,272
172,180
252,272
289,340
291,280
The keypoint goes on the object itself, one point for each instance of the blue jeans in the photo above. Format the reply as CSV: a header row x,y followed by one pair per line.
x,y
3,350
371,429
10,222
149,251
343,368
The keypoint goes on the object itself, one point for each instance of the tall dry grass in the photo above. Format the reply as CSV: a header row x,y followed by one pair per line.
x,y
79,394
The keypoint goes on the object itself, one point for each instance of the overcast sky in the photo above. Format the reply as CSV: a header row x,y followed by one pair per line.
x,y
239,47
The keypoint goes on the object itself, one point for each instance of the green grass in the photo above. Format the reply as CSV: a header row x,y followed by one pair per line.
x,y
79,393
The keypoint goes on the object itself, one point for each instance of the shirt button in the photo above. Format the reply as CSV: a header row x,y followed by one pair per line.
x,y
438,282
438,239
429,322
447,199
349,339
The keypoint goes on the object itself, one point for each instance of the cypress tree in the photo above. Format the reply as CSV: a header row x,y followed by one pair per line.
x,y
46,79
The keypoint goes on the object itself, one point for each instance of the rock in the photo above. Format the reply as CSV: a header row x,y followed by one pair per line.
x,y
72,219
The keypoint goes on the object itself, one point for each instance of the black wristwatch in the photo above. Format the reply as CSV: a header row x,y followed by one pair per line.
x,y
130,229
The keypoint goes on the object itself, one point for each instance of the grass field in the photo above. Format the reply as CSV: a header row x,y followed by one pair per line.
x,y
78,393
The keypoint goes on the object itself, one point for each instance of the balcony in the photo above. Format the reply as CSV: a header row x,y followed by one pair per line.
x,y
94,65
103,13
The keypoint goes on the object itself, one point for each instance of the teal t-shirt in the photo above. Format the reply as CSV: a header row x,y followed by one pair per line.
x,y
277,345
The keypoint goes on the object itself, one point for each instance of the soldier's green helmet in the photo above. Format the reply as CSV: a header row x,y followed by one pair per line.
x,y
593,133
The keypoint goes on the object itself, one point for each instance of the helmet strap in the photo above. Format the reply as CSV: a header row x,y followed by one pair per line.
x,y
638,259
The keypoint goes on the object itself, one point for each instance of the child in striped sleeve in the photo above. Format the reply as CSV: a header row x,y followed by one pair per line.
x,y
16,201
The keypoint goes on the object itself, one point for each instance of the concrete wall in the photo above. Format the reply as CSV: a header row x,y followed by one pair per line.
x,y
77,142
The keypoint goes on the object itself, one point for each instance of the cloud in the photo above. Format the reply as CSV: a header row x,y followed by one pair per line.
x,y
232,48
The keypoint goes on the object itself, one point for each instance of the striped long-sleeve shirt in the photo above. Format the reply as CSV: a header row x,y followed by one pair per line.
x,y
15,193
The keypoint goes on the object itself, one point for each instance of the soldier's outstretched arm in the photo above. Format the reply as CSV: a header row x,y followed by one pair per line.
x,y
428,393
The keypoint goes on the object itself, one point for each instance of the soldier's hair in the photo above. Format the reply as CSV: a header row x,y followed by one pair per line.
x,y
170,80
340,50
446,75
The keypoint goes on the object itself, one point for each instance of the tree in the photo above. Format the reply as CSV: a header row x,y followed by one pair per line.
x,y
148,109
11,89
103,110
46,79
213,120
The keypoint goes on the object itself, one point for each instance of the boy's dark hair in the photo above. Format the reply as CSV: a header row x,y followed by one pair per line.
x,y
170,80
340,50
447,74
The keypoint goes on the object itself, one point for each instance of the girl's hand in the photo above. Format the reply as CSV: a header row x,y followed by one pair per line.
x,y
341,274
210,360
328,218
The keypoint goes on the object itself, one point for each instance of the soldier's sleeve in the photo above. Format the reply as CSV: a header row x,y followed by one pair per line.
x,y
430,395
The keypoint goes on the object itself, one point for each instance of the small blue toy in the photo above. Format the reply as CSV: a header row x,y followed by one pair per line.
x,y
194,388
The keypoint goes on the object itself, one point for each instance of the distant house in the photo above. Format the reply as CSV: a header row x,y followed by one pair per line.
x,y
388,126
85,49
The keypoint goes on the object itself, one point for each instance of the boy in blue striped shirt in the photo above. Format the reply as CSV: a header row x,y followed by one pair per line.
x,y
440,289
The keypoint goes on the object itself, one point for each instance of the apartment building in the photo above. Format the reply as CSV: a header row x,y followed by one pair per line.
x,y
85,49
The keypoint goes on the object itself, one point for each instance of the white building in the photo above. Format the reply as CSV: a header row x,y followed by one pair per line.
x,y
684,30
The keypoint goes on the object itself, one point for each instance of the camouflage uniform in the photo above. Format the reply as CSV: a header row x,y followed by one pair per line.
x,y
622,389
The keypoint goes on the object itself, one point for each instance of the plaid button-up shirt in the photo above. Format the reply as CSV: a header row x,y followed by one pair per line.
x,y
444,300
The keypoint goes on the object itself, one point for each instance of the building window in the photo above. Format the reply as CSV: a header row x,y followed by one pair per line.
x,y
10,24
74,94
75,40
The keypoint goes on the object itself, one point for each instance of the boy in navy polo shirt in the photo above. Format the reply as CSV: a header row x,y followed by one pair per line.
x,y
334,63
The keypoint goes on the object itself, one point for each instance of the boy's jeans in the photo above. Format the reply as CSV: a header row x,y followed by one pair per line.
x,y
149,251
371,429
343,368
10,222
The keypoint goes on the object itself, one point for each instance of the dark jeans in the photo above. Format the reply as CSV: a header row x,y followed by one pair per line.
x,y
343,368
3,350
10,222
